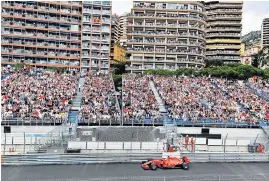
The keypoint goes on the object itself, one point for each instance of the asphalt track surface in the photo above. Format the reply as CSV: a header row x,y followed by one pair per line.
x,y
133,172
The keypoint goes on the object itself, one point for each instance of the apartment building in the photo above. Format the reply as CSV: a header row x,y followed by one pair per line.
x,y
41,33
96,36
68,34
223,32
121,29
265,32
119,54
165,35
113,35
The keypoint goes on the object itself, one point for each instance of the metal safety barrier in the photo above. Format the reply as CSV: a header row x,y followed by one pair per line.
x,y
41,159
227,157
192,177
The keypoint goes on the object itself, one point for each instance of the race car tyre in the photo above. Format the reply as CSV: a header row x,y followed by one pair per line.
x,y
185,166
153,166
144,162
150,159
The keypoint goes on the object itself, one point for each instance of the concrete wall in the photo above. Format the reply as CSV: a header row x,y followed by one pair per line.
x,y
244,133
29,129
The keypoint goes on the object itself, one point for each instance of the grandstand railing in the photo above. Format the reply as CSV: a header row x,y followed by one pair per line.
x,y
257,91
145,122
38,122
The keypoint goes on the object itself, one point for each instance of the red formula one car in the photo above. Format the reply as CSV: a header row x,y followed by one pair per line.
x,y
169,162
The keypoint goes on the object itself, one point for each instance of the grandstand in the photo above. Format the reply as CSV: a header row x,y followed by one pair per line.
x,y
92,100
46,97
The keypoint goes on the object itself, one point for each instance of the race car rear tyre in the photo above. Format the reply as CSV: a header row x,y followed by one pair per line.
x,y
153,166
185,166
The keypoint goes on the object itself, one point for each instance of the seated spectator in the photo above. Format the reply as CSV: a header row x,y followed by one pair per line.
x,y
99,101
255,105
139,100
47,95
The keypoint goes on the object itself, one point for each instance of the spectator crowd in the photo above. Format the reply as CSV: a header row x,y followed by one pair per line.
x,y
255,106
44,95
261,85
139,102
195,99
99,101
49,95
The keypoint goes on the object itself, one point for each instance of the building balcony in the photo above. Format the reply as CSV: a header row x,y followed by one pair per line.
x,y
168,26
223,35
223,41
227,5
164,51
222,52
175,17
45,64
96,12
223,11
155,42
224,17
234,58
223,29
217,23
52,55
198,61
43,5
223,47
40,36
63,20
38,26
162,8
106,12
165,34
41,45
43,9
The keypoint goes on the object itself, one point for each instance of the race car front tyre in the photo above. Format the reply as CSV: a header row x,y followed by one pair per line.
x,y
185,166
153,166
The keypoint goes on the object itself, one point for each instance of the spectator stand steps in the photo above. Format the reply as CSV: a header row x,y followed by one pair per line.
x,y
72,116
170,126
238,102
257,91
158,98
266,130
57,138
4,75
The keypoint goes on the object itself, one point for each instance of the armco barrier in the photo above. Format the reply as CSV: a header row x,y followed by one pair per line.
x,y
31,159
227,157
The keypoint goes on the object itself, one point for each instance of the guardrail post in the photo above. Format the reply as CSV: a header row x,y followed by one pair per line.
x,y
23,142
225,143
5,143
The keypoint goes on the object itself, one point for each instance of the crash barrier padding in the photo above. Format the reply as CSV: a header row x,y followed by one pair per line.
x,y
29,159
214,142
200,141
132,145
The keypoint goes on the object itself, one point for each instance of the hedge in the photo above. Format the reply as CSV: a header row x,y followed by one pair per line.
x,y
235,71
